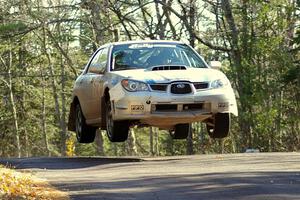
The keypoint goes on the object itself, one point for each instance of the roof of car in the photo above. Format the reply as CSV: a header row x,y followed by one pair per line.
x,y
147,41
143,41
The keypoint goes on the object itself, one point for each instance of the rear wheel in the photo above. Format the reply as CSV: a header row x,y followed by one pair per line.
x,y
219,125
84,132
181,131
117,131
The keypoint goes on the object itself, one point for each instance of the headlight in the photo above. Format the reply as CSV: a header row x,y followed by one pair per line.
x,y
133,86
219,83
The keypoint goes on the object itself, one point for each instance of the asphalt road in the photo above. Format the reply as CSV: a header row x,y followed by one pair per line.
x,y
259,176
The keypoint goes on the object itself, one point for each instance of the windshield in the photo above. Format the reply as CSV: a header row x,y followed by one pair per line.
x,y
145,55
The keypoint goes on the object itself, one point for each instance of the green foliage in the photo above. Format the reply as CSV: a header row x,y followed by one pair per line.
x,y
10,29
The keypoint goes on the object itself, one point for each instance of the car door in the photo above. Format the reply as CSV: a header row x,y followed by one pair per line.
x,y
98,83
86,83
96,72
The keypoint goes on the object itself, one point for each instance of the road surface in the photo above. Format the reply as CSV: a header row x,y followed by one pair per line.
x,y
257,176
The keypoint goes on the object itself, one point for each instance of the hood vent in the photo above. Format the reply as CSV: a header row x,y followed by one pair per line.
x,y
169,67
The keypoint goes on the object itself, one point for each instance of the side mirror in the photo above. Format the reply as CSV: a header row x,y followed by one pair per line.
x,y
215,64
95,68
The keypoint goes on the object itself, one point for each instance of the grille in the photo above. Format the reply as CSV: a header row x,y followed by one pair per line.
x,y
159,87
181,88
169,67
201,85
198,106
166,107
177,107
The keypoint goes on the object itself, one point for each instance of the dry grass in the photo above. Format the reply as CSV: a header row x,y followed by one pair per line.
x,y
17,185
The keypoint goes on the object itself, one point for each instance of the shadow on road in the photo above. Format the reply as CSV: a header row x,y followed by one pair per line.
x,y
63,163
225,186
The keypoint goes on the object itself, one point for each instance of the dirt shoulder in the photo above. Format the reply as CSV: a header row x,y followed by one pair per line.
x,y
23,185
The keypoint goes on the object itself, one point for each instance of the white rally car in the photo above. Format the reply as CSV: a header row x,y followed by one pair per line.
x,y
150,83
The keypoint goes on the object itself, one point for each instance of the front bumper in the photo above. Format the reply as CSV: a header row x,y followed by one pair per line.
x,y
164,109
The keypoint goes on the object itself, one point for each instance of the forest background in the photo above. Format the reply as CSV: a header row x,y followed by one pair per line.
x,y
45,43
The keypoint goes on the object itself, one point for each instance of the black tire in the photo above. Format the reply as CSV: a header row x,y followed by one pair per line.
x,y
220,127
84,132
117,131
181,131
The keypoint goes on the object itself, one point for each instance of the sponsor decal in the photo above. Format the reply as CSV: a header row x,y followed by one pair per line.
x,y
137,107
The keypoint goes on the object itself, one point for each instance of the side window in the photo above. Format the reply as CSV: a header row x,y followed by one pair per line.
x,y
93,65
103,60
99,63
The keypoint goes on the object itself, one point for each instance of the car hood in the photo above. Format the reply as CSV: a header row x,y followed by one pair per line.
x,y
166,76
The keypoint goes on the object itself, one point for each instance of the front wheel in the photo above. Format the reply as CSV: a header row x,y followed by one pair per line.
x,y
117,131
219,125
84,132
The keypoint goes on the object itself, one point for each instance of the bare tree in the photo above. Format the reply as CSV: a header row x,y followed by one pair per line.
x,y
9,83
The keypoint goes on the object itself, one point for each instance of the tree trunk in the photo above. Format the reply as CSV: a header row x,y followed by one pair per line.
x,y
242,82
27,147
96,21
23,114
156,136
14,111
202,131
63,136
192,7
175,36
189,142
43,118
160,26
58,114
151,141
13,106
115,149
57,108
132,143
170,146
99,143
233,143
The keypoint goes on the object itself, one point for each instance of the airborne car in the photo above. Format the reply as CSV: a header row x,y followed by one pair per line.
x,y
150,83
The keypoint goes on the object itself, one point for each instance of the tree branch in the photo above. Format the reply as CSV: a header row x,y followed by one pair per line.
x,y
190,30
